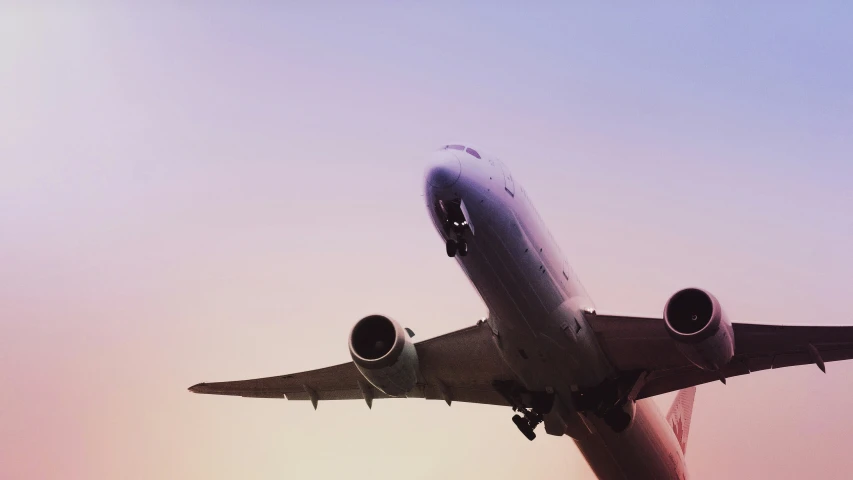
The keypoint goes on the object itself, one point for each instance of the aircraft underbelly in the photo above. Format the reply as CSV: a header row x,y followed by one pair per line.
x,y
647,450
526,303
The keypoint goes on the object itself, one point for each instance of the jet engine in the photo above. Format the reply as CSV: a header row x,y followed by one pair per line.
x,y
700,328
383,352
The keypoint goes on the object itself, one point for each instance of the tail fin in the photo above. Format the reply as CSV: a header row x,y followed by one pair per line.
x,y
679,415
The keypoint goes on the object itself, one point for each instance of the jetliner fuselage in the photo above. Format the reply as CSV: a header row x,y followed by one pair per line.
x,y
538,310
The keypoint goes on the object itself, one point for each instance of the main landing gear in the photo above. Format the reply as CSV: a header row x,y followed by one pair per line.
x,y
527,422
617,418
611,401
455,247
527,418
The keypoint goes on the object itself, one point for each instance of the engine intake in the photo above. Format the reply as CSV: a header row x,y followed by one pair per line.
x,y
689,311
703,333
384,354
373,338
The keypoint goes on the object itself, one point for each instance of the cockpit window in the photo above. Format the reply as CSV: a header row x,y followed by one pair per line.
x,y
470,150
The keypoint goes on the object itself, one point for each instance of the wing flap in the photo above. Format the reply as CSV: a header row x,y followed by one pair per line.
x,y
665,381
485,395
330,383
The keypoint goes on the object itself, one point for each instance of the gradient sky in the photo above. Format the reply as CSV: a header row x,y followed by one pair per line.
x,y
208,192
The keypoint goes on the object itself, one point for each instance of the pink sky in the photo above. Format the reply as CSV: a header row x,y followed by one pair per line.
x,y
209,194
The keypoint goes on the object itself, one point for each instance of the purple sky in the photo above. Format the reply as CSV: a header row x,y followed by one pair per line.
x,y
209,193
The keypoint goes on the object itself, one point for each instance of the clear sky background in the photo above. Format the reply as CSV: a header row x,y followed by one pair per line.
x,y
214,192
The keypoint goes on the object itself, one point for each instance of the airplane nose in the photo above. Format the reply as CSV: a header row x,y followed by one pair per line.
x,y
443,170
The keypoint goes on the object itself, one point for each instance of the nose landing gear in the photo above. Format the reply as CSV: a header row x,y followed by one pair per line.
x,y
456,225
454,247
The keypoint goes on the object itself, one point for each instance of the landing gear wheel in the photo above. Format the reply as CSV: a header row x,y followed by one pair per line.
x,y
524,426
617,419
452,247
463,248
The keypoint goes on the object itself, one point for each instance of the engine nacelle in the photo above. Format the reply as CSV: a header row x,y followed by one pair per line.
x,y
383,352
700,328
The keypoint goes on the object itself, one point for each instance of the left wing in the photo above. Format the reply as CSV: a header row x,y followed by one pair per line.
x,y
459,366
643,344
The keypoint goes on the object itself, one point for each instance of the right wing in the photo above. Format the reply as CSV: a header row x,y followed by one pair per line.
x,y
460,366
643,344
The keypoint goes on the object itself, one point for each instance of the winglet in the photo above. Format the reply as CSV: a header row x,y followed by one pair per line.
x,y
679,415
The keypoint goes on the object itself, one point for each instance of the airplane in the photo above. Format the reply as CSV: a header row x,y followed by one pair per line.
x,y
543,350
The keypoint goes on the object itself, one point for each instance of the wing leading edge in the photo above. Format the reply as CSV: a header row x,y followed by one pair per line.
x,y
459,366
637,343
